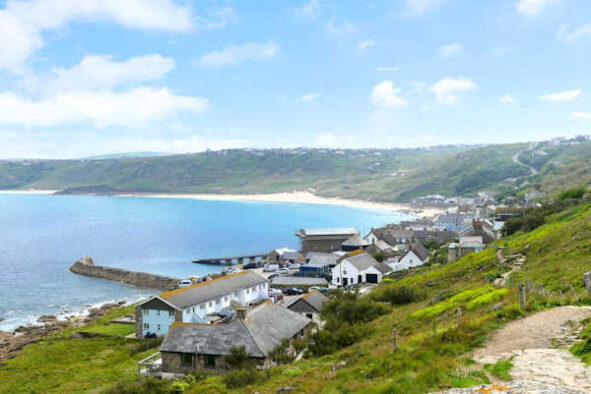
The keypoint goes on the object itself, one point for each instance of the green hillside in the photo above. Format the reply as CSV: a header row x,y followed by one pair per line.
x,y
385,175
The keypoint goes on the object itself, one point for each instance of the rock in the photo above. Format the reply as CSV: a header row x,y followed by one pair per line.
x,y
1,319
47,318
107,307
122,302
94,312
5,335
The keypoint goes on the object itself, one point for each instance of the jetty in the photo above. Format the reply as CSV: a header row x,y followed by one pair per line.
x,y
85,266
231,260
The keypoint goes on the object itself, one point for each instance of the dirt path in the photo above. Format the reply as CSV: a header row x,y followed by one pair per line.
x,y
539,343
515,159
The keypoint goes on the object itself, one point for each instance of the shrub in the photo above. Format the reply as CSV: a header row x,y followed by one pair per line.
x,y
400,295
240,378
147,385
145,344
238,357
575,192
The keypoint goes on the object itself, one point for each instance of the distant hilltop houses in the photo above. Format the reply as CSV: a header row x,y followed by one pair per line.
x,y
269,303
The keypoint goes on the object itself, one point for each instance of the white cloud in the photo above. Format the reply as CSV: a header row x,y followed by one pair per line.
x,y
363,45
446,88
450,50
567,95
421,7
102,72
22,23
531,8
507,98
387,68
581,115
571,35
385,94
134,108
239,53
309,10
310,97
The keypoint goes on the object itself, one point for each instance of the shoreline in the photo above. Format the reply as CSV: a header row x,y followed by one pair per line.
x,y
298,197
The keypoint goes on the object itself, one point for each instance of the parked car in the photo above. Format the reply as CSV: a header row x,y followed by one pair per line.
x,y
282,271
273,276
184,283
271,268
232,270
294,266
293,291
319,288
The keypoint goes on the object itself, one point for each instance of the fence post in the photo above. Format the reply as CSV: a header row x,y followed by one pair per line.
x,y
587,279
522,299
572,289
459,313
333,370
394,338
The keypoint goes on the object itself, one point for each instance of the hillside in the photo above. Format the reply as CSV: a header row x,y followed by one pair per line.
x,y
384,175
433,352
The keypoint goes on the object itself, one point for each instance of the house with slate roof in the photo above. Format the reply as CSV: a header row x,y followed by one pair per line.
x,y
203,303
416,255
191,347
309,305
358,267
324,239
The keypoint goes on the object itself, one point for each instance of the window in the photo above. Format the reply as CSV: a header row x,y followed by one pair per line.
x,y
170,313
247,291
158,327
158,312
187,359
201,307
210,304
236,293
226,298
338,279
146,326
209,361
193,310
146,311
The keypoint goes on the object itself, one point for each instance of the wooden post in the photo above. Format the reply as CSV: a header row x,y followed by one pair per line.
x,y
522,299
587,280
528,285
333,370
572,289
434,325
459,313
394,338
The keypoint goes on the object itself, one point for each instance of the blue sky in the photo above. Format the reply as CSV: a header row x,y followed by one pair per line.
x,y
81,78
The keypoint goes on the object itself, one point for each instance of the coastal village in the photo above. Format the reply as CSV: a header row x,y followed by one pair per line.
x,y
265,303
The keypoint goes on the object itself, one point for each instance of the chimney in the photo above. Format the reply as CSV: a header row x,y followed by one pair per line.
x,y
241,313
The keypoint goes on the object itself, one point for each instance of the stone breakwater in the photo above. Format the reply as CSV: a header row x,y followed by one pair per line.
x,y
85,266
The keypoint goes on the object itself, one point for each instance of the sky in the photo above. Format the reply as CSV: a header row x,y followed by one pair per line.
x,y
92,77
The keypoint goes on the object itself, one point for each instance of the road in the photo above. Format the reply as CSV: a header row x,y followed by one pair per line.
x,y
515,159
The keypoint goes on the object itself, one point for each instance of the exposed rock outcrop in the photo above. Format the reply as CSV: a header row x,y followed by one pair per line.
x,y
85,266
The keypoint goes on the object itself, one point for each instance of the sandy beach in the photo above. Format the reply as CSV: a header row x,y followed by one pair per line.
x,y
300,197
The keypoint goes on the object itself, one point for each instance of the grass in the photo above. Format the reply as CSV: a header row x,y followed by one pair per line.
x,y
501,369
103,326
583,349
63,364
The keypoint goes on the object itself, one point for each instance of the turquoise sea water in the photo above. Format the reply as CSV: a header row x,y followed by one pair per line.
x,y
42,235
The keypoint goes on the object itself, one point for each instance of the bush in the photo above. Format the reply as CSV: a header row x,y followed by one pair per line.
x,y
240,378
575,193
238,357
145,344
528,222
148,385
400,295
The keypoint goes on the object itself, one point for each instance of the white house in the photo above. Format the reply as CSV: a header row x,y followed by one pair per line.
x,y
205,302
358,268
416,255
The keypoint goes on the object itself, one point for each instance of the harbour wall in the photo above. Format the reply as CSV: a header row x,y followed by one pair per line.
x,y
85,266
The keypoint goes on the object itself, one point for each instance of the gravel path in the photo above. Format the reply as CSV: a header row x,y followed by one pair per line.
x,y
542,362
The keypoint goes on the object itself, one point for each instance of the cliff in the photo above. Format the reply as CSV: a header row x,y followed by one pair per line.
x,y
85,266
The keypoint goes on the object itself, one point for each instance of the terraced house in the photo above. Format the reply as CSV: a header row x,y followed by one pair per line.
x,y
205,303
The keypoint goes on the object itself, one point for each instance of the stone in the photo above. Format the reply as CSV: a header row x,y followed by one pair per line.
x,y
47,318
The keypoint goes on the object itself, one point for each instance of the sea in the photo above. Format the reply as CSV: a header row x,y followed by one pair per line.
x,y
41,236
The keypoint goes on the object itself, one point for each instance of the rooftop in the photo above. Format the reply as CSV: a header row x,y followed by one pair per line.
x,y
316,232
212,289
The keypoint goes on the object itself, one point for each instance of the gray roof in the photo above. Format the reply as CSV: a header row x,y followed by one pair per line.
x,y
383,268
361,261
315,298
420,250
355,240
322,258
260,332
213,289
297,281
